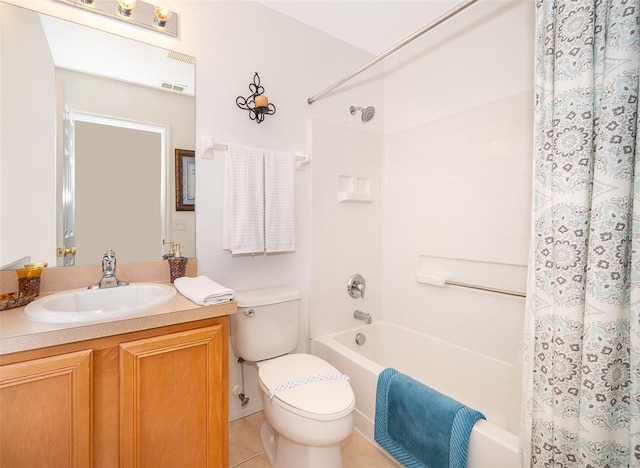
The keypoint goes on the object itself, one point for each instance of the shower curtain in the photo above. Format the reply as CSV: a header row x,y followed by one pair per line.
x,y
582,325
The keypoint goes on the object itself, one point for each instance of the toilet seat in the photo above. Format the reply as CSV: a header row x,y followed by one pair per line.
x,y
314,388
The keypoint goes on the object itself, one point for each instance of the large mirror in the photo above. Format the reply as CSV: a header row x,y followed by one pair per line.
x,y
89,131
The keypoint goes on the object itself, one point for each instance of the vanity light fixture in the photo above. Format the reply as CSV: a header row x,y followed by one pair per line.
x,y
157,17
163,13
125,7
257,103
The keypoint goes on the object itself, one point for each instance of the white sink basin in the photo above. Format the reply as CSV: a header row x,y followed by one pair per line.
x,y
83,305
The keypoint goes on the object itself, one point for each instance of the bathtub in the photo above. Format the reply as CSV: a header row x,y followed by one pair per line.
x,y
478,381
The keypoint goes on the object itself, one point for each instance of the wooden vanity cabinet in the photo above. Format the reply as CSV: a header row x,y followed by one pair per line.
x,y
171,411
151,398
45,411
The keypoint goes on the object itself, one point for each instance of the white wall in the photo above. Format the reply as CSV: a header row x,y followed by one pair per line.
x,y
294,62
458,149
459,187
484,59
346,238
482,54
26,182
232,40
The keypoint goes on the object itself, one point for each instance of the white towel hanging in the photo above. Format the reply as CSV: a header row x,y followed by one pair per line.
x,y
280,209
243,205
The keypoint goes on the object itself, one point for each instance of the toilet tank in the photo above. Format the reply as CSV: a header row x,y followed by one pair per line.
x,y
266,324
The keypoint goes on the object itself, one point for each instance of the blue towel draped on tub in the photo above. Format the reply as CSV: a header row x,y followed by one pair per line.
x,y
420,426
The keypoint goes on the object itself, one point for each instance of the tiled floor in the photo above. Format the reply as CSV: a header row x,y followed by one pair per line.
x,y
245,450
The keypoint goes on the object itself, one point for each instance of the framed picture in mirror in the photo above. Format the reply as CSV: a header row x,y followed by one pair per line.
x,y
185,180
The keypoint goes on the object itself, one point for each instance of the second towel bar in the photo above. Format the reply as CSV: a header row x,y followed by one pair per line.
x,y
485,288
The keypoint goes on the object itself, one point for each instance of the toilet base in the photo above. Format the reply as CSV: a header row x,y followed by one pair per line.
x,y
284,453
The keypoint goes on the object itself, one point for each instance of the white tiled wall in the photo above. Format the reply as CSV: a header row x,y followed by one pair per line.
x,y
346,237
459,187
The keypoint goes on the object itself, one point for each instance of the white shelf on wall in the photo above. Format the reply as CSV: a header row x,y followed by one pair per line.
x,y
354,189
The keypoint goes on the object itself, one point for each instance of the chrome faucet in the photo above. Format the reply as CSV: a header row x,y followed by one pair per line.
x,y
108,279
364,316
356,286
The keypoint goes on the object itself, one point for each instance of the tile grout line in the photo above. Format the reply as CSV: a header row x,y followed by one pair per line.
x,y
247,460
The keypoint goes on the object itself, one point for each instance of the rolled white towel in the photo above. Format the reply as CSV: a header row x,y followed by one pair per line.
x,y
202,290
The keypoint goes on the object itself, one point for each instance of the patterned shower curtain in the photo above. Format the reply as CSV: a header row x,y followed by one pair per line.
x,y
582,326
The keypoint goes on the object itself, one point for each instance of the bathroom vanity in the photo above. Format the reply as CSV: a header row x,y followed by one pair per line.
x,y
150,389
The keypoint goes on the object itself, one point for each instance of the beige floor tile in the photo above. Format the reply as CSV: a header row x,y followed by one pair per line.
x,y
257,462
244,439
358,452
245,450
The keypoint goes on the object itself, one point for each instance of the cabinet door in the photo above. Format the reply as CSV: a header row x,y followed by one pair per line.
x,y
173,400
45,411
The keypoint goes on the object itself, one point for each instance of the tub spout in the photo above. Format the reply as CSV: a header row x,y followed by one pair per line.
x,y
364,316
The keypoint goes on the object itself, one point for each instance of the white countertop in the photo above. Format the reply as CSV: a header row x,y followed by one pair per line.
x,y
19,334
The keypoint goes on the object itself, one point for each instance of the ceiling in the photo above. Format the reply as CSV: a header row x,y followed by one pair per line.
x,y
371,25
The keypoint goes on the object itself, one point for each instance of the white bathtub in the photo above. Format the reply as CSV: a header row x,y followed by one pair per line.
x,y
478,381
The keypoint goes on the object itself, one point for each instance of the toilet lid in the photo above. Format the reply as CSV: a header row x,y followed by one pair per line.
x,y
307,385
261,297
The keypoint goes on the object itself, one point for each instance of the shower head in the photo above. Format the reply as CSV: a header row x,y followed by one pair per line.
x,y
367,112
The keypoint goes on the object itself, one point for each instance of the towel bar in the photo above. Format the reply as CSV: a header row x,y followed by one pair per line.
x,y
209,146
485,288
441,280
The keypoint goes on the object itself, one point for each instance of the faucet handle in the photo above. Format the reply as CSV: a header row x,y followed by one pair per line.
x,y
109,262
108,279
356,286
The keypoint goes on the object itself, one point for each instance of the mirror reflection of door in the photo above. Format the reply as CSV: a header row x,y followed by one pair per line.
x,y
68,180
108,211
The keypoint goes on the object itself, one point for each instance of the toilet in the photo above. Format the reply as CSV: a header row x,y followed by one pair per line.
x,y
308,403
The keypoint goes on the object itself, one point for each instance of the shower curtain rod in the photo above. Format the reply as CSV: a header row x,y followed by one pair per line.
x,y
390,51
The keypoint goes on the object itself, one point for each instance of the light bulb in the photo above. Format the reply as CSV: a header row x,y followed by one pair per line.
x,y
125,7
163,13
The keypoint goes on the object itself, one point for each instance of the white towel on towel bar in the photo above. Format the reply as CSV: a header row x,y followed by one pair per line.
x,y
280,208
243,205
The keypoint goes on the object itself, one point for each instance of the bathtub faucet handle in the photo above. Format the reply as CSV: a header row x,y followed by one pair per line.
x,y
356,286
